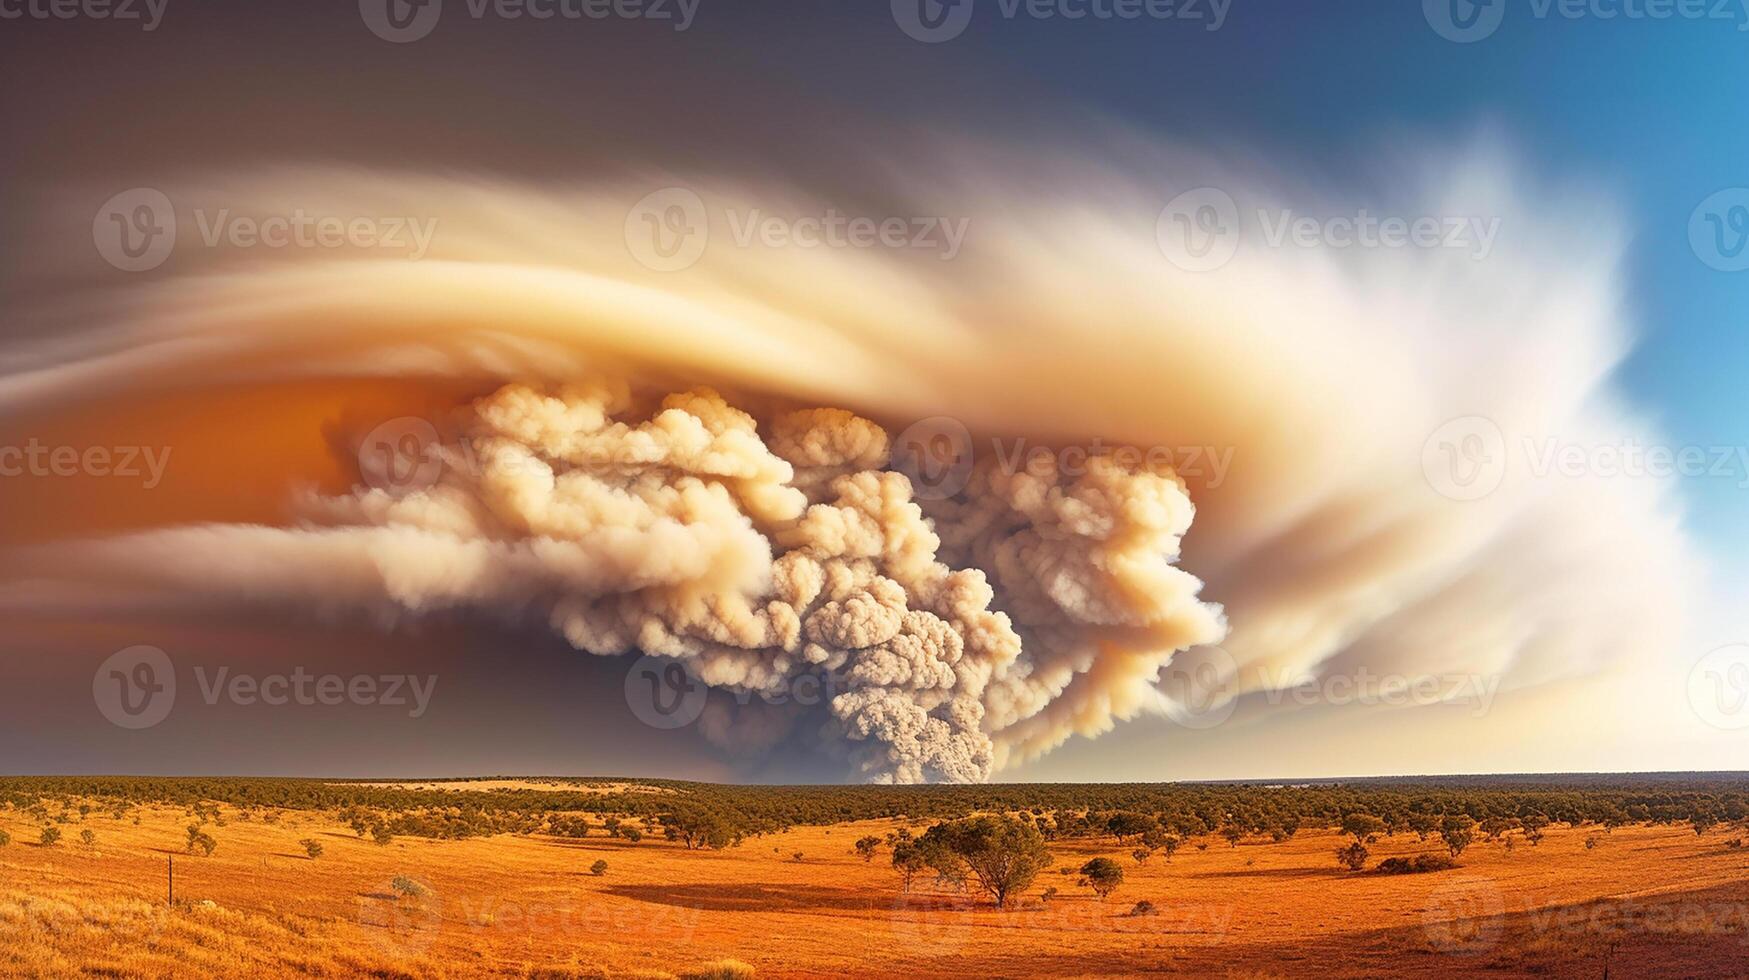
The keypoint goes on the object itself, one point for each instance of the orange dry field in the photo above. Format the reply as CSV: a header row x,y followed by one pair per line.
x,y
1644,901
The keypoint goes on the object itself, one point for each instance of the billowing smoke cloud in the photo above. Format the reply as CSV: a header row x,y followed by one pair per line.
x,y
767,531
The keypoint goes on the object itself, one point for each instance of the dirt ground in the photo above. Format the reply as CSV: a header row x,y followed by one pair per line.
x,y
1642,902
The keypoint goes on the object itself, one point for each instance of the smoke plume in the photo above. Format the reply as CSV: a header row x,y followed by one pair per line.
x,y
705,463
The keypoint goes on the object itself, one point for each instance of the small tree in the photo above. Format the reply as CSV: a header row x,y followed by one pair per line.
x,y
598,869
1363,827
1141,854
87,838
908,860
1170,845
312,847
631,835
50,835
1353,857
200,840
1233,833
1534,824
1458,831
1103,875
405,887
865,846
5,838
381,835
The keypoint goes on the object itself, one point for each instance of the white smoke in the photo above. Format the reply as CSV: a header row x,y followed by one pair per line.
x,y
758,538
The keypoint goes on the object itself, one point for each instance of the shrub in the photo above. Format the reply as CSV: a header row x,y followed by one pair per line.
x,y
381,835
865,846
598,869
1141,854
1103,875
720,970
797,855
87,838
1353,857
5,838
50,835
200,840
631,835
1049,893
1591,842
1144,907
1419,864
405,887
312,847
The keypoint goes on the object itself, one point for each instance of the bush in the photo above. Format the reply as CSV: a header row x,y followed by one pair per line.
x,y
865,846
1103,875
5,838
720,970
50,835
1141,854
87,838
200,840
405,887
1458,831
1144,907
1419,864
1353,857
312,847
598,869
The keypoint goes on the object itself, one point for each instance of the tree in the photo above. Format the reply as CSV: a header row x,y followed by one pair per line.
x,y
1353,857
1126,823
382,835
1233,833
1363,827
1534,823
312,847
1423,824
908,860
200,840
1141,854
598,869
1103,875
1003,853
50,835
1170,845
5,838
631,835
865,846
87,838
1458,831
